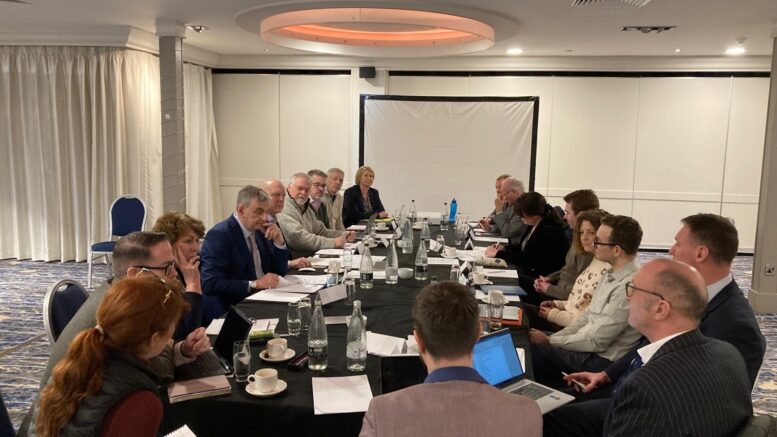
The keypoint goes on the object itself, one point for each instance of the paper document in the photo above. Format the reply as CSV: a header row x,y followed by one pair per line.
x,y
356,228
434,261
521,357
275,296
412,346
501,273
344,394
508,298
264,325
332,294
490,239
183,431
473,224
434,245
215,327
510,313
304,279
337,252
384,345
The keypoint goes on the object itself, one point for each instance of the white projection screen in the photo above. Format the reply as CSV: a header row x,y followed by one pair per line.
x,y
432,149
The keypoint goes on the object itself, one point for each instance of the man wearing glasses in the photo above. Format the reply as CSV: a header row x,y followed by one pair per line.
x,y
305,233
682,383
505,221
601,334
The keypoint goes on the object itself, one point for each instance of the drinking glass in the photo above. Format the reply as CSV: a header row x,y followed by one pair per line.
x,y
350,290
294,318
495,311
241,360
304,312
441,241
461,233
347,259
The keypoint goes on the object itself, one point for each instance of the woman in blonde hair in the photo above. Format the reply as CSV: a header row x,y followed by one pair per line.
x,y
103,386
361,200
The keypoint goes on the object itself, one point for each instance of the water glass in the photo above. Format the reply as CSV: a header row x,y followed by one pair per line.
x,y
241,360
304,311
495,311
350,291
293,318
347,259
461,233
441,241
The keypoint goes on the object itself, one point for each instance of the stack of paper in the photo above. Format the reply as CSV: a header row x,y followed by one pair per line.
x,y
385,345
275,296
434,261
302,279
344,394
198,388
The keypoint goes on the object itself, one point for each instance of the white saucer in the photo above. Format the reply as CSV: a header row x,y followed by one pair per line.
x,y
442,254
289,355
281,386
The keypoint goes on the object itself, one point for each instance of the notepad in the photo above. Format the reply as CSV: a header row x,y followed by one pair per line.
x,y
343,394
198,388
384,345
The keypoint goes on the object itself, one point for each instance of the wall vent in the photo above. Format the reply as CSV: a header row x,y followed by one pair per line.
x,y
610,3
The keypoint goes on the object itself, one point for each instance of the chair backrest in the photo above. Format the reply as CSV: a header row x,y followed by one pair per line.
x,y
128,214
60,304
6,427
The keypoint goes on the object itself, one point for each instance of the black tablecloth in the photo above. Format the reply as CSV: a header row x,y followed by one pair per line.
x,y
290,413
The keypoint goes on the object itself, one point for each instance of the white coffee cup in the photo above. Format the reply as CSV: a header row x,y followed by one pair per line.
x,y
479,277
381,226
264,380
276,348
334,266
450,251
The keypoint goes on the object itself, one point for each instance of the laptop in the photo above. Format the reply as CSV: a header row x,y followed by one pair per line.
x,y
496,359
218,360
399,372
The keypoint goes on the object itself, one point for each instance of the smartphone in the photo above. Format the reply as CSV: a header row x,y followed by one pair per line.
x,y
299,362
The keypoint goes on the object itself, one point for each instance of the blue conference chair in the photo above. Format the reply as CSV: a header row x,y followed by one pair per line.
x,y
60,304
128,214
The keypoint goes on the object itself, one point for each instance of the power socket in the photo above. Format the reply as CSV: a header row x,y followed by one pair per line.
x,y
769,270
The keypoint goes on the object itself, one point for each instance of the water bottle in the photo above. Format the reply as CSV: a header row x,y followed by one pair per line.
x,y
444,217
318,344
426,234
413,213
454,207
421,261
365,269
392,264
455,272
407,237
356,347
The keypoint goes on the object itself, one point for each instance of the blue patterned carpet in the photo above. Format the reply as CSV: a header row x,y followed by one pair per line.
x,y
24,347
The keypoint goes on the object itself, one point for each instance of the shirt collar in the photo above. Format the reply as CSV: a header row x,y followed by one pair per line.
x,y
246,232
623,272
455,373
646,352
717,287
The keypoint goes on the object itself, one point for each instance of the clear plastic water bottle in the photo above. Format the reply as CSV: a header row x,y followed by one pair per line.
x,y
365,269
455,272
407,237
356,346
444,217
318,343
392,264
454,208
413,213
421,261
426,234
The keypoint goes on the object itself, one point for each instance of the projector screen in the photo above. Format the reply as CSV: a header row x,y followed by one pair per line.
x,y
433,149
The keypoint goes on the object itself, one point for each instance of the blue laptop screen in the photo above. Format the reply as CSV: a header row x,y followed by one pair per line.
x,y
495,358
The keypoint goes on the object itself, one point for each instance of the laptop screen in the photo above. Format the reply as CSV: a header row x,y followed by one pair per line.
x,y
495,358
236,327
399,372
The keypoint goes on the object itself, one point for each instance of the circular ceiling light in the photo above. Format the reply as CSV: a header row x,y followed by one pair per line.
x,y
377,32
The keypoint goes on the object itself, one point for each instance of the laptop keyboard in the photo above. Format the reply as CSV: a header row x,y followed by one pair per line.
x,y
532,391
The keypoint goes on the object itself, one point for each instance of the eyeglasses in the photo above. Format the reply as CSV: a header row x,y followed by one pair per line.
x,y
167,268
170,290
318,186
599,243
630,291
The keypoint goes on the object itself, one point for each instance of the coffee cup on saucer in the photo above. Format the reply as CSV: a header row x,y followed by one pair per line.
x,y
276,348
334,266
381,226
480,277
450,251
264,380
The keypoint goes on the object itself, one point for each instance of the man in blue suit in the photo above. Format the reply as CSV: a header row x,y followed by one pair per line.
x,y
242,254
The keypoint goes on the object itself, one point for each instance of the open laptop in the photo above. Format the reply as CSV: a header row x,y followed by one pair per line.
x,y
218,360
496,359
398,372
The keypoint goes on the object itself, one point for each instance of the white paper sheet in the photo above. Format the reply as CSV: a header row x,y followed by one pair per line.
x,y
332,294
412,346
183,431
435,261
510,313
275,296
296,288
356,228
344,394
490,239
521,357
215,327
264,324
337,252
501,273
306,279
508,297
384,345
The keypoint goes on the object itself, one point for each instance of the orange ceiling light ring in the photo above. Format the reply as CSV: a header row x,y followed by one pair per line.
x,y
377,31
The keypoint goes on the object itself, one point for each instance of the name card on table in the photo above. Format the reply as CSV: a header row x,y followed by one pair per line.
x,y
332,294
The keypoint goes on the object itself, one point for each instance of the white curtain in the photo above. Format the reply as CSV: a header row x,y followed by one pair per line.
x,y
203,199
79,126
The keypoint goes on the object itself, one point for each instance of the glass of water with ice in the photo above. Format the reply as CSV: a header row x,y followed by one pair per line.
x,y
241,360
294,318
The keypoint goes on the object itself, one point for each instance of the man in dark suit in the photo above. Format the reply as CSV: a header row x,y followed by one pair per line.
x,y
683,383
709,243
237,257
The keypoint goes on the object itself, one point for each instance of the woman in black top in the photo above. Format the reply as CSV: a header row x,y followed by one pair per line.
x,y
361,200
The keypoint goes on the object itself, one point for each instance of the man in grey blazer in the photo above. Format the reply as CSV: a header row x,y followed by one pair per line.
x,y
683,383
454,399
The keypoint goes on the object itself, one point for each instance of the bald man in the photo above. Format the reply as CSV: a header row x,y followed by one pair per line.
x,y
682,383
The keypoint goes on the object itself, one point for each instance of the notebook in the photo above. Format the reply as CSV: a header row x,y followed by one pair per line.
x,y
198,388
218,360
496,359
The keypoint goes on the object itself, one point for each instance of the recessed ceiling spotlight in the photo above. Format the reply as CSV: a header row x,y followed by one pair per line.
x,y
738,49
514,51
199,28
677,50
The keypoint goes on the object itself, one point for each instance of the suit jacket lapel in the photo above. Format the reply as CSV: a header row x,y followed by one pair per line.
x,y
242,245
679,342
724,295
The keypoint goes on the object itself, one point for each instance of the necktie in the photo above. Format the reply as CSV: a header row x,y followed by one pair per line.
x,y
255,256
636,363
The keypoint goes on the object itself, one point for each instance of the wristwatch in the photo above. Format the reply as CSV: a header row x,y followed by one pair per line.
x,y
252,285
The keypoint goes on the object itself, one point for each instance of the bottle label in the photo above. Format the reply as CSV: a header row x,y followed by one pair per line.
x,y
365,276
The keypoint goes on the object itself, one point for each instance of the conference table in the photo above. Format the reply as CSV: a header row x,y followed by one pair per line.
x,y
291,413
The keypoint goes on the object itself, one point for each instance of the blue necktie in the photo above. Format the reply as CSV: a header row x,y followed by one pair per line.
x,y
636,363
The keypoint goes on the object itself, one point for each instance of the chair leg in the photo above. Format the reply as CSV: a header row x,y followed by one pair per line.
x,y
89,275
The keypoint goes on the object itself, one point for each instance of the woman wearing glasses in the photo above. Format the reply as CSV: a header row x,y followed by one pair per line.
x,y
104,386
361,200
543,245
185,233
553,315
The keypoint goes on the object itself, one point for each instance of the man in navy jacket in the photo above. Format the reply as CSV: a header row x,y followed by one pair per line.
x,y
242,254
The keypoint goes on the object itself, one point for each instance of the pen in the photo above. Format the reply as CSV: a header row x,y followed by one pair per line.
x,y
577,383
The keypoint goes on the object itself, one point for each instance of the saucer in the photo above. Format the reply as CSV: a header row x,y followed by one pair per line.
x,y
281,386
289,355
449,257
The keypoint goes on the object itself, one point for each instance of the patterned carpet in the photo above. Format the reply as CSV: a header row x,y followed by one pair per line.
x,y
24,347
